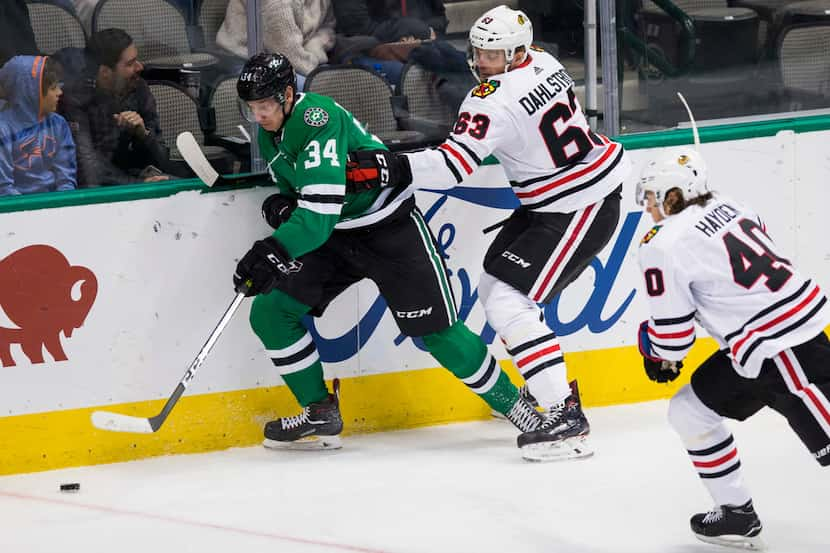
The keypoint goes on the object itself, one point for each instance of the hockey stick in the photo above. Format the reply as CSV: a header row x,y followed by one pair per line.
x,y
692,121
125,423
194,156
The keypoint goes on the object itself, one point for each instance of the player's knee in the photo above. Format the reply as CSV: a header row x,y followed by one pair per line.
x,y
689,417
274,316
506,307
457,349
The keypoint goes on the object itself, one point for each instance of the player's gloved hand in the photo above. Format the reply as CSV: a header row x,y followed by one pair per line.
x,y
276,209
368,169
259,270
657,369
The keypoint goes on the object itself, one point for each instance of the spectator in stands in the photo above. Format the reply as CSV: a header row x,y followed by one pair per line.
x,y
37,153
16,35
302,30
112,113
386,23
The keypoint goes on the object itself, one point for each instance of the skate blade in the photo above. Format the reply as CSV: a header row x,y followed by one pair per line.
x,y
310,443
737,542
570,448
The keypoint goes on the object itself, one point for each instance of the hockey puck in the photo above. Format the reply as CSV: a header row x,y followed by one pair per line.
x,y
72,487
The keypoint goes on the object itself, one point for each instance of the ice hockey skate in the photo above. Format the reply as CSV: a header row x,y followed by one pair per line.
x,y
524,415
318,426
730,526
523,393
562,435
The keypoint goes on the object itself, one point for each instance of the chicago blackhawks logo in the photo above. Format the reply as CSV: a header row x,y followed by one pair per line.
x,y
315,117
485,89
650,234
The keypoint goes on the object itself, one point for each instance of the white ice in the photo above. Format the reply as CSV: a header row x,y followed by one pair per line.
x,y
455,488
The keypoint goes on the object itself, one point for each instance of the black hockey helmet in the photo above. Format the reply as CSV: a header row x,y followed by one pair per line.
x,y
266,76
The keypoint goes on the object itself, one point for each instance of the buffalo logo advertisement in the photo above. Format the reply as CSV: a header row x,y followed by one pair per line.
x,y
486,88
43,295
315,117
650,234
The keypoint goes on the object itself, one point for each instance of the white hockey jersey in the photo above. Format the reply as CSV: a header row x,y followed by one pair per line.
x,y
531,121
716,264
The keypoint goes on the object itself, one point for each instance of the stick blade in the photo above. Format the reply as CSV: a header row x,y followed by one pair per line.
x,y
115,422
195,158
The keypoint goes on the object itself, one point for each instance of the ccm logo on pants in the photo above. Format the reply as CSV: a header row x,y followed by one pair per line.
x,y
416,314
516,259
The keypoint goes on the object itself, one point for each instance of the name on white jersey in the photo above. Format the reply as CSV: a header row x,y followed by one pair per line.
x,y
716,219
541,94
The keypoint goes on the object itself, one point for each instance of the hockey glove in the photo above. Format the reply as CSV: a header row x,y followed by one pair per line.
x,y
368,169
276,209
259,270
657,369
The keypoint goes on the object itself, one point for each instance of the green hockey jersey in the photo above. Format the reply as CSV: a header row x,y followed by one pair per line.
x,y
307,161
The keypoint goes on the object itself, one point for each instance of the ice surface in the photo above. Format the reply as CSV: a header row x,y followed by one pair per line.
x,y
456,488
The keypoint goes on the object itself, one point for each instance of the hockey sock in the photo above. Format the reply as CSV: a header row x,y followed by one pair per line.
x,y
466,356
715,457
710,446
530,342
276,319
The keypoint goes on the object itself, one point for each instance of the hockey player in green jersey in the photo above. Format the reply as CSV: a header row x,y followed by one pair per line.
x,y
328,237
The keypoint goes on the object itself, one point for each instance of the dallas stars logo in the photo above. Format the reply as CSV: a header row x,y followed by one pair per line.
x,y
315,117
485,89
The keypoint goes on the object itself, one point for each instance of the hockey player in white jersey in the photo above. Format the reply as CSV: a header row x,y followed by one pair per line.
x,y
709,258
568,180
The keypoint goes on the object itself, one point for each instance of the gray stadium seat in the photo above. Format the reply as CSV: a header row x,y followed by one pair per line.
x,y
211,16
157,27
179,112
803,53
423,102
55,27
366,95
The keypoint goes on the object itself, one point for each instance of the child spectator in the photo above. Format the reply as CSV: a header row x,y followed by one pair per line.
x,y
37,153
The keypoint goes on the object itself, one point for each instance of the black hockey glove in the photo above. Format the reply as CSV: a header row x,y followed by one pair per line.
x,y
368,169
259,270
657,369
276,209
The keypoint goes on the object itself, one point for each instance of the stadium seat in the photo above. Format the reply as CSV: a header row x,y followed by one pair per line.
x,y
179,112
55,27
367,96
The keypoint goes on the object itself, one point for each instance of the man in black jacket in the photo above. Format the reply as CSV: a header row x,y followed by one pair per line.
x,y
112,113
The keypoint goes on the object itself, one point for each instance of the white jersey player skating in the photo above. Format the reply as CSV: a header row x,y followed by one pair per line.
x,y
568,180
709,259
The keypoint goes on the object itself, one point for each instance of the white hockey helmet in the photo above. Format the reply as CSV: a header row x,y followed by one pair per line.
x,y
500,28
678,168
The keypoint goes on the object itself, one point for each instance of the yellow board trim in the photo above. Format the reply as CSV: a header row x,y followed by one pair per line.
x,y
59,439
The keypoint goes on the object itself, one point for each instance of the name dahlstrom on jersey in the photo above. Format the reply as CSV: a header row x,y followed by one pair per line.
x,y
545,91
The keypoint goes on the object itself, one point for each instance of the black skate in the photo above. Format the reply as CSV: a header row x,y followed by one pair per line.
x,y
318,426
562,434
730,526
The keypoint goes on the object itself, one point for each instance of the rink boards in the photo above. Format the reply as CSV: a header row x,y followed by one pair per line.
x,y
130,281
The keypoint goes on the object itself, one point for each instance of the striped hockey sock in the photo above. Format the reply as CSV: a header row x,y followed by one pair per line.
x,y
300,367
719,467
540,361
